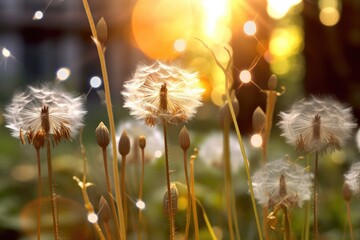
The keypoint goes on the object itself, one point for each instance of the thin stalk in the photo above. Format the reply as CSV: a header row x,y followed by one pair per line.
x,y
306,226
228,180
83,185
270,107
108,187
193,198
141,191
54,207
206,219
100,51
316,228
241,143
123,188
287,223
39,193
349,219
170,208
265,222
107,231
188,209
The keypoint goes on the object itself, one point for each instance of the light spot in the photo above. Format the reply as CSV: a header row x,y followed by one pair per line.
x,y
23,173
245,76
158,154
329,16
63,73
250,28
5,52
38,15
92,217
95,82
180,45
140,204
256,140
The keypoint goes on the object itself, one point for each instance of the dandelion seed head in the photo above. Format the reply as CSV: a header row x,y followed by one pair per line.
x,y
282,182
317,124
352,178
180,91
24,114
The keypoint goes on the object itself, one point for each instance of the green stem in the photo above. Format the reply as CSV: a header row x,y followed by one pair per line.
x,y
141,191
108,187
170,207
123,188
54,207
188,209
316,228
39,193
193,198
241,143
111,119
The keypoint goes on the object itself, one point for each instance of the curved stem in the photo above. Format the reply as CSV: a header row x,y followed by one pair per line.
x,y
39,193
170,207
188,209
100,51
108,187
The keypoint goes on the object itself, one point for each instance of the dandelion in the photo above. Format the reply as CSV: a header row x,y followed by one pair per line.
x,y
282,182
317,124
162,93
352,179
24,116
41,113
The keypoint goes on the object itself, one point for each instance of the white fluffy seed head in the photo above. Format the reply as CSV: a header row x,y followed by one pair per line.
x,y
282,182
161,92
65,113
352,178
317,124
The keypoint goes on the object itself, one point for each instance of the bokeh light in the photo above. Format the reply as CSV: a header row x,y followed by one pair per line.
x,y
256,140
63,74
92,217
286,41
180,45
140,204
5,52
279,8
95,82
214,11
38,15
329,16
245,76
250,28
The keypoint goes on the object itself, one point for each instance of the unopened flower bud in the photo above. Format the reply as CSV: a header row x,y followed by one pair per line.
x,y
142,142
104,210
224,111
174,199
272,83
102,32
102,135
346,192
258,120
184,139
124,144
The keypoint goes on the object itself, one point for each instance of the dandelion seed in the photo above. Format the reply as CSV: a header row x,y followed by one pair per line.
x,y
26,113
317,125
352,179
282,182
162,93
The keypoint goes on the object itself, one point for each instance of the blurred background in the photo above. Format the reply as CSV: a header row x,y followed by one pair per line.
x,y
312,46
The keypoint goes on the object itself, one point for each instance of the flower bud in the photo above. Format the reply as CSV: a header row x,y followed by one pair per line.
x,y
104,210
174,199
142,142
258,120
272,83
102,135
124,144
346,192
102,31
184,139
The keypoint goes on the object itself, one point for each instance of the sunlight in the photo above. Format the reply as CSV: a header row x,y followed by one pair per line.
x,y
214,12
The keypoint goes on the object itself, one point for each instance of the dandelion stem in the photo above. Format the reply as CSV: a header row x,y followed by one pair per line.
x,y
287,223
193,197
111,119
316,230
228,180
270,107
241,143
188,209
89,207
206,219
141,191
39,193
170,207
108,187
54,208
307,210
349,219
123,188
